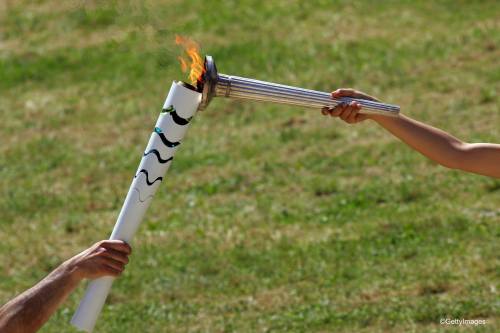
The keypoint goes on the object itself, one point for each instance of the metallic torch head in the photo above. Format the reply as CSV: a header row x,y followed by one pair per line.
x,y
208,82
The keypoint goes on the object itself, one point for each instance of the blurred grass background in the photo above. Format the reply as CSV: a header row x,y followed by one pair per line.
x,y
272,218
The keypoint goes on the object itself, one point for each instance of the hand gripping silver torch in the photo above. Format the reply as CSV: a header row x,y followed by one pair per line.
x,y
214,84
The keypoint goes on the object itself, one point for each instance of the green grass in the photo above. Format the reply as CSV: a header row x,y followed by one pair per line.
x,y
271,219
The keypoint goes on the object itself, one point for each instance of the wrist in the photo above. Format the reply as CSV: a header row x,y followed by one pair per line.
x,y
70,270
374,117
381,119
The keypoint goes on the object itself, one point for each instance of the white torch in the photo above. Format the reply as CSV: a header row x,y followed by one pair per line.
x,y
179,108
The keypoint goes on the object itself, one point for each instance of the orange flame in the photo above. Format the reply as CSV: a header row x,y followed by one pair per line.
x,y
195,61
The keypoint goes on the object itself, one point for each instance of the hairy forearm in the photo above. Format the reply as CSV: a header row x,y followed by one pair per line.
x,y
31,309
442,147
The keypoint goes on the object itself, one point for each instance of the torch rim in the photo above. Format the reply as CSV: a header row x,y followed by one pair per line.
x,y
209,82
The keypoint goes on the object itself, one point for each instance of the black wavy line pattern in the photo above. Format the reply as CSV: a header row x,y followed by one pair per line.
x,y
164,139
175,117
158,156
179,120
169,109
144,171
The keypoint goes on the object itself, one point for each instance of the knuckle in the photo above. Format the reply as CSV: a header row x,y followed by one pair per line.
x,y
106,244
100,251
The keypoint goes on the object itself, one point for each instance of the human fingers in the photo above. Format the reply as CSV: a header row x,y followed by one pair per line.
x,y
116,255
353,93
346,113
339,110
117,245
106,270
344,92
119,266
336,110
354,112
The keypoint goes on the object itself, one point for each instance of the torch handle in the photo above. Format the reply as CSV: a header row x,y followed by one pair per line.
x,y
179,108
244,88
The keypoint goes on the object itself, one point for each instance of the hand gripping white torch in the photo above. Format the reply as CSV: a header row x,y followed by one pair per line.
x,y
179,108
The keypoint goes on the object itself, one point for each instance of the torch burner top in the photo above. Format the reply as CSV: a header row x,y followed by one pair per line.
x,y
208,82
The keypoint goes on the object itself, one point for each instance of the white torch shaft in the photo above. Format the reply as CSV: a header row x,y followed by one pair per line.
x,y
180,106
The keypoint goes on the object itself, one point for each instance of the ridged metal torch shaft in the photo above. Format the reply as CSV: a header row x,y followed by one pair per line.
x,y
243,88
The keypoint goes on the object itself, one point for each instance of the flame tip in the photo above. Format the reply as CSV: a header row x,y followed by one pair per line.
x,y
195,62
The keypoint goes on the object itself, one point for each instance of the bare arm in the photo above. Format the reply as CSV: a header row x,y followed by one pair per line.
x,y
445,149
30,310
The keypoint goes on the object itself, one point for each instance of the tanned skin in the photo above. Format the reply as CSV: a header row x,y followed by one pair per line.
x,y
30,310
439,146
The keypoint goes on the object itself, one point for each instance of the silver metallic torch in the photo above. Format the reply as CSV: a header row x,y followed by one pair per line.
x,y
214,84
